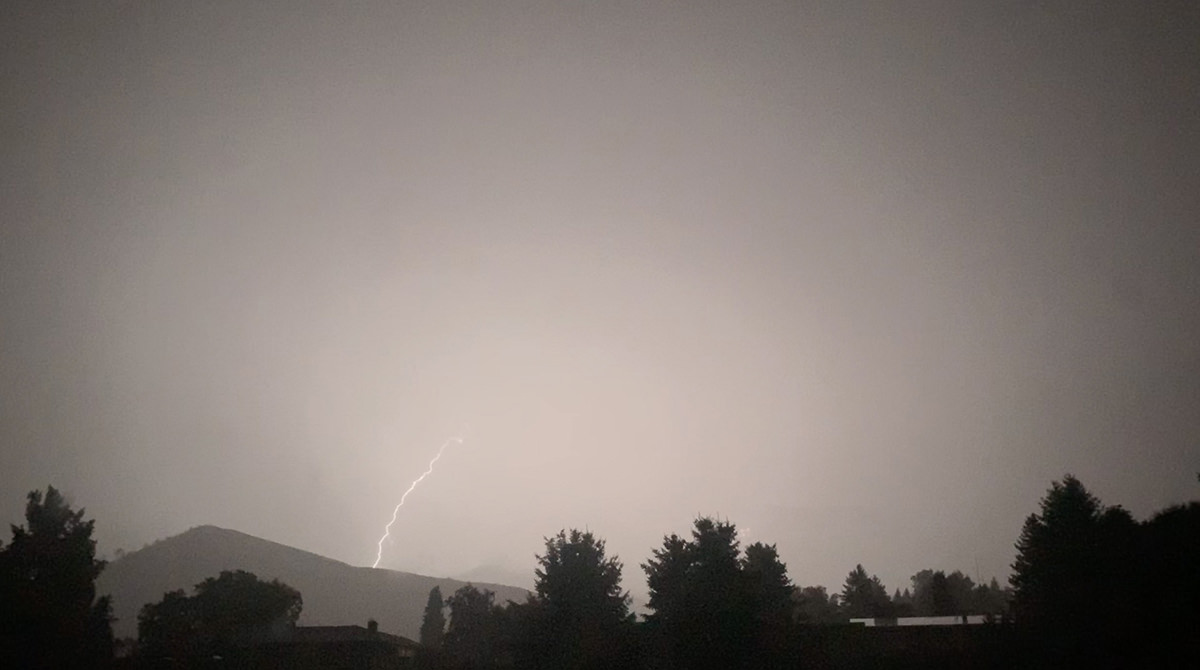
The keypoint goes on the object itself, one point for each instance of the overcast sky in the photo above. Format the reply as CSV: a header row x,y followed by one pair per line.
x,y
862,278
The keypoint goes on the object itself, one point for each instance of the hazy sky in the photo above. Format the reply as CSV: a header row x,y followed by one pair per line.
x,y
863,278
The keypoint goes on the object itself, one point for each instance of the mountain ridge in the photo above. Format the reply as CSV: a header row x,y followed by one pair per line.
x,y
334,593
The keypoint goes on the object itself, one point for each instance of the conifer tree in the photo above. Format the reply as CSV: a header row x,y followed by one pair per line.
x,y
433,626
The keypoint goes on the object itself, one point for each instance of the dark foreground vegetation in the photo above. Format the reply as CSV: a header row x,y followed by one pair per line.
x,y
1091,587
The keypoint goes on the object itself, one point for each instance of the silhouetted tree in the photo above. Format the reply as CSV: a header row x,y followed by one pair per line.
x,y
170,627
864,596
902,603
1075,576
433,625
1170,586
712,607
1053,576
472,639
814,605
989,599
940,599
579,616
768,583
769,594
941,594
50,616
932,594
667,575
922,593
697,597
233,608
961,589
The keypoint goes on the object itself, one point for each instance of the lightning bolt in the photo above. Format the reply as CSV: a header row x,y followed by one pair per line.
x,y
388,529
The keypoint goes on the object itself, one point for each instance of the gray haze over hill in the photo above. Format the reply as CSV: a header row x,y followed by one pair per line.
x,y
334,593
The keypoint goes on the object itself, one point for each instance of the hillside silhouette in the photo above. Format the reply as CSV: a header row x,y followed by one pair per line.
x,y
335,593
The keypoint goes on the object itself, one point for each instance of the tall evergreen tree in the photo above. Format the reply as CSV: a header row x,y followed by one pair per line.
x,y
767,584
433,625
1053,575
667,574
1076,577
769,594
579,616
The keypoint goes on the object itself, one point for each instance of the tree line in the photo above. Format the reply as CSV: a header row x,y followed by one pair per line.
x,y
712,604
1089,584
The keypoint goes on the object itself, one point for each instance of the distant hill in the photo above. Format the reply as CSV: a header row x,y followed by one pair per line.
x,y
334,593
497,572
